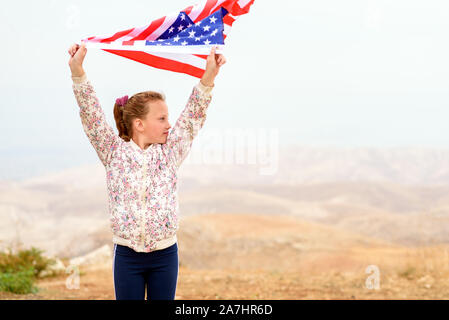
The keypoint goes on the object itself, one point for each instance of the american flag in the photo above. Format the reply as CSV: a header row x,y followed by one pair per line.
x,y
180,41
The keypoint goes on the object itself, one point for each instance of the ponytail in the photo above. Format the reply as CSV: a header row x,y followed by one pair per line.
x,y
120,122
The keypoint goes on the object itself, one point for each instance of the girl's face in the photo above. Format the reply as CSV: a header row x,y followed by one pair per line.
x,y
154,128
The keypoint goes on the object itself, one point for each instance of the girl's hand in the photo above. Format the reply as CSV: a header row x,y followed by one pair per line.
x,y
213,64
77,54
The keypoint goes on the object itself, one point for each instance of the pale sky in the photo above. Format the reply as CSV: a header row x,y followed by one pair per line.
x,y
324,73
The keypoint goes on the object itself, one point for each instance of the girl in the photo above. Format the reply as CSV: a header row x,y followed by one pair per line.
x,y
141,165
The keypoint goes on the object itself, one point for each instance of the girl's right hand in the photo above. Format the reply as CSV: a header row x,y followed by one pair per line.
x,y
77,54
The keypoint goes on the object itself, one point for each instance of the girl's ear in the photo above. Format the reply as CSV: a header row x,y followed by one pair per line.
x,y
138,124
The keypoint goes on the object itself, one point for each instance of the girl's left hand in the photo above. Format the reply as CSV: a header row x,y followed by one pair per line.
x,y
213,64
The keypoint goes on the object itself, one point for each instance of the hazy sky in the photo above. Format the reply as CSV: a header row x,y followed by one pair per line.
x,y
339,73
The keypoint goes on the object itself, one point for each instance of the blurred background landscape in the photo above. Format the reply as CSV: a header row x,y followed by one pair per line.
x,y
347,196
326,214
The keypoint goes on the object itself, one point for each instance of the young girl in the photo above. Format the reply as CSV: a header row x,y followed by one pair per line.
x,y
141,165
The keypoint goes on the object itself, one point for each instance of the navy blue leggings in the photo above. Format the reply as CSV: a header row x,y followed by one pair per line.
x,y
132,270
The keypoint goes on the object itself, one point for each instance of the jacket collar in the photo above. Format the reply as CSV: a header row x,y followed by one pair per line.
x,y
138,149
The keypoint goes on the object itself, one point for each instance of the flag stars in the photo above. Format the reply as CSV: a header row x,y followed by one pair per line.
x,y
185,32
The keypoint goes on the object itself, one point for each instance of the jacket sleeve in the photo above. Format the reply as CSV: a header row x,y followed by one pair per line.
x,y
100,134
191,120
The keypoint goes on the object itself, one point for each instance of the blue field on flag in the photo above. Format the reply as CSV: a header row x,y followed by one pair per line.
x,y
185,32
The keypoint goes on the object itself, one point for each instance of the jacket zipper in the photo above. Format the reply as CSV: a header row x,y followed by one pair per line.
x,y
142,213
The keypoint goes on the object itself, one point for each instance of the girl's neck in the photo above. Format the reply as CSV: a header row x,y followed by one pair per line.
x,y
141,143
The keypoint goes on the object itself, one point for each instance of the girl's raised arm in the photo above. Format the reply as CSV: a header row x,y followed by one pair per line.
x,y
192,118
100,134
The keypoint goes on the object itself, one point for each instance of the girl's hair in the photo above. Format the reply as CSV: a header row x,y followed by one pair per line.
x,y
136,107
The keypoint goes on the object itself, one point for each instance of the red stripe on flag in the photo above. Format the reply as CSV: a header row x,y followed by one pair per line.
x,y
203,56
148,31
117,35
245,9
188,10
228,19
206,11
158,62
234,8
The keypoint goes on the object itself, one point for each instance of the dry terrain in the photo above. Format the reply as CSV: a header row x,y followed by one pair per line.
x,y
278,258
323,225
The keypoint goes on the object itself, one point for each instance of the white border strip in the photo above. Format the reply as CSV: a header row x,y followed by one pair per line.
x,y
140,46
113,270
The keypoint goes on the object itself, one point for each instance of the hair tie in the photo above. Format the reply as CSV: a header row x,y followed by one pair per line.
x,y
122,101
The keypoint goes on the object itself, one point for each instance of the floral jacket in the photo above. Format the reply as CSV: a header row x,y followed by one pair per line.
x,y
142,183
